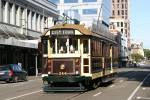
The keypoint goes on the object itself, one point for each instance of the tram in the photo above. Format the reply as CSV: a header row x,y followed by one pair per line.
x,y
76,58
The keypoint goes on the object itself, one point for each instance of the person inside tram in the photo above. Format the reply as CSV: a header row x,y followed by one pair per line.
x,y
61,50
72,49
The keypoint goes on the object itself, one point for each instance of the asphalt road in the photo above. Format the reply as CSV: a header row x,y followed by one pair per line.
x,y
131,84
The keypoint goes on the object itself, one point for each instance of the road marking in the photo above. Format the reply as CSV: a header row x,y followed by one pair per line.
x,y
121,81
97,94
12,85
24,95
133,93
144,88
143,98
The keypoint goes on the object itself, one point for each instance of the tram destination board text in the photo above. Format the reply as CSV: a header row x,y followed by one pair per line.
x,y
62,32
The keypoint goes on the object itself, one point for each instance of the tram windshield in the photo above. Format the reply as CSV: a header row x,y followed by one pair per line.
x,y
61,45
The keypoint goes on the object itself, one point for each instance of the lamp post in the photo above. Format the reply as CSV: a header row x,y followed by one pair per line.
x,y
36,68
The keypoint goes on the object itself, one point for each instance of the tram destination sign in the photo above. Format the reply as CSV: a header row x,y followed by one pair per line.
x,y
62,32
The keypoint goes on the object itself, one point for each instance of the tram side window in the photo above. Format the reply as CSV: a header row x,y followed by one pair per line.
x,y
45,46
52,44
62,45
73,45
85,46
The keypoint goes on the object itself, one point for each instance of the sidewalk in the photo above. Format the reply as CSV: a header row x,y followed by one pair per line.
x,y
34,77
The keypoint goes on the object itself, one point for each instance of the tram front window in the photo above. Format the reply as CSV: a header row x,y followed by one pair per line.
x,y
73,45
62,45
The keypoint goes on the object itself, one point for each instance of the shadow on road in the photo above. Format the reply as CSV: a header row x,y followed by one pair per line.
x,y
136,74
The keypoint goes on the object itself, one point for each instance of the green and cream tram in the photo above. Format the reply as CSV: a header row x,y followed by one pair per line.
x,y
76,59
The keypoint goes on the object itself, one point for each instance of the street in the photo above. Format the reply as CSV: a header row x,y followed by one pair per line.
x,y
131,84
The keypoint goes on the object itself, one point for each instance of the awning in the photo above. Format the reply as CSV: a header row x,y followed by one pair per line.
x,y
11,31
21,43
17,36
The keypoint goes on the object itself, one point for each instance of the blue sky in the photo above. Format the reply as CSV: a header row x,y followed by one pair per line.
x,y
140,21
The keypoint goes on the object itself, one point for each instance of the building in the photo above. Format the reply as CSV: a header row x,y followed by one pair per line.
x,y
21,25
121,16
86,11
120,24
137,47
122,43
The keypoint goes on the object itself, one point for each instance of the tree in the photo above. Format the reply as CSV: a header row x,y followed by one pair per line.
x,y
137,57
147,53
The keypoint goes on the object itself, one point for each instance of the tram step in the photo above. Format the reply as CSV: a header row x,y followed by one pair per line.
x,y
57,89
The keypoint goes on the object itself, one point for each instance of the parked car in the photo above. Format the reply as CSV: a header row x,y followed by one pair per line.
x,y
12,73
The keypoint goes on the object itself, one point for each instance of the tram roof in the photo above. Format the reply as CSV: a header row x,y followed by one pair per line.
x,y
78,27
85,31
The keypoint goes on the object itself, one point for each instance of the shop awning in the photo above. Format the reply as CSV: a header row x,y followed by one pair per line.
x,y
10,31
17,36
21,43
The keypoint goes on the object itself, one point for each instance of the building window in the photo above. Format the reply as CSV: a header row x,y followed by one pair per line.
x,y
122,30
113,1
122,0
118,24
3,13
54,1
113,12
122,12
117,5
70,1
69,12
118,12
118,1
126,6
58,11
125,31
122,6
89,0
89,11
113,6
125,25
126,12
121,24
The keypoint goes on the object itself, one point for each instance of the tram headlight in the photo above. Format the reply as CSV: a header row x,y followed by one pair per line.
x,y
45,82
49,66
77,66
49,72
77,72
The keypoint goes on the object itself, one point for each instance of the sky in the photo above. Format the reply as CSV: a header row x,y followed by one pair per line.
x,y
140,21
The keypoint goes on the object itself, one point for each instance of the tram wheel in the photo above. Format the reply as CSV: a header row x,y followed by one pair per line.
x,y
94,85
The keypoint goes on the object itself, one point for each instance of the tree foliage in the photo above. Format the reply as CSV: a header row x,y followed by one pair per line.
x,y
147,53
137,57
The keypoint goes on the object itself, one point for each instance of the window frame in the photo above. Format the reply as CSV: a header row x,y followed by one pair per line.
x,y
88,1
71,1
89,11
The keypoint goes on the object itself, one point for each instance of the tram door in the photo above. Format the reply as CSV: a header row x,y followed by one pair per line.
x,y
85,57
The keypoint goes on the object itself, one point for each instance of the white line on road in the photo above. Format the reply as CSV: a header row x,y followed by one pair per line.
x,y
144,88
121,81
97,94
143,98
133,93
24,95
